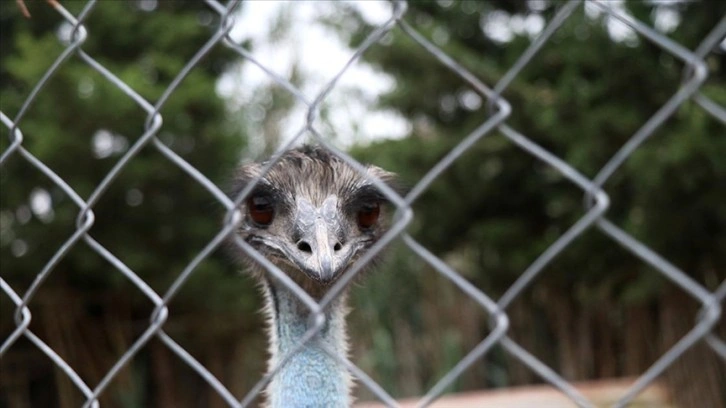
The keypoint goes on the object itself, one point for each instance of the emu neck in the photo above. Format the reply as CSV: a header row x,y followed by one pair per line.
x,y
311,377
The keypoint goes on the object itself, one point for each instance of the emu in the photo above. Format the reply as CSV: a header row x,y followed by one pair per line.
x,y
313,216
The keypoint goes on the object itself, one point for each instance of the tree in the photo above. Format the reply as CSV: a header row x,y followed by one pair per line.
x,y
497,208
154,217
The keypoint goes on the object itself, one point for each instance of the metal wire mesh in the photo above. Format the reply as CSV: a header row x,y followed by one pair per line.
x,y
596,203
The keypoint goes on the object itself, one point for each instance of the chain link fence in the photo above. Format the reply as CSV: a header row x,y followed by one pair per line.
x,y
596,202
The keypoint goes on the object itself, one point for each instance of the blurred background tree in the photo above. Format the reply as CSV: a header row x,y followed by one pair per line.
x,y
595,312
154,217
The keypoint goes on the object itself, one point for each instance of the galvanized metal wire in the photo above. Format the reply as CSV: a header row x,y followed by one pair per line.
x,y
595,195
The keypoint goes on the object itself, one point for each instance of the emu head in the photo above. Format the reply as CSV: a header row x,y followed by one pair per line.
x,y
312,215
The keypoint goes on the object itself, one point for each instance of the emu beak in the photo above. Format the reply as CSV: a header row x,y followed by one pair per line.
x,y
322,256
318,252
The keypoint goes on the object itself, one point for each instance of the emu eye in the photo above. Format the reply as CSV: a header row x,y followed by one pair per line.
x,y
261,211
368,215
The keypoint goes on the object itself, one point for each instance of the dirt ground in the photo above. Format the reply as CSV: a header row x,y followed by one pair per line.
x,y
603,393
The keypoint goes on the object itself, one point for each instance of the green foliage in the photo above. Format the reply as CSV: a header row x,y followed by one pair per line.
x,y
582,97
154,217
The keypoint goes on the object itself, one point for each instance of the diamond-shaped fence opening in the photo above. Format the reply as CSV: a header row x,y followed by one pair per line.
x,y
152,88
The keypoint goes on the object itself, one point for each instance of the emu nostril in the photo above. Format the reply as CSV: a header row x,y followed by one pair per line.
x,y
337,246
304,246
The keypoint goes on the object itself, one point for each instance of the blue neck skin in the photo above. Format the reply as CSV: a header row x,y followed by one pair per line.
x,y
310,378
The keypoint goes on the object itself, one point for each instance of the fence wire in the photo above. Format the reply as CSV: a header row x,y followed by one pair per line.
x,y
596,203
